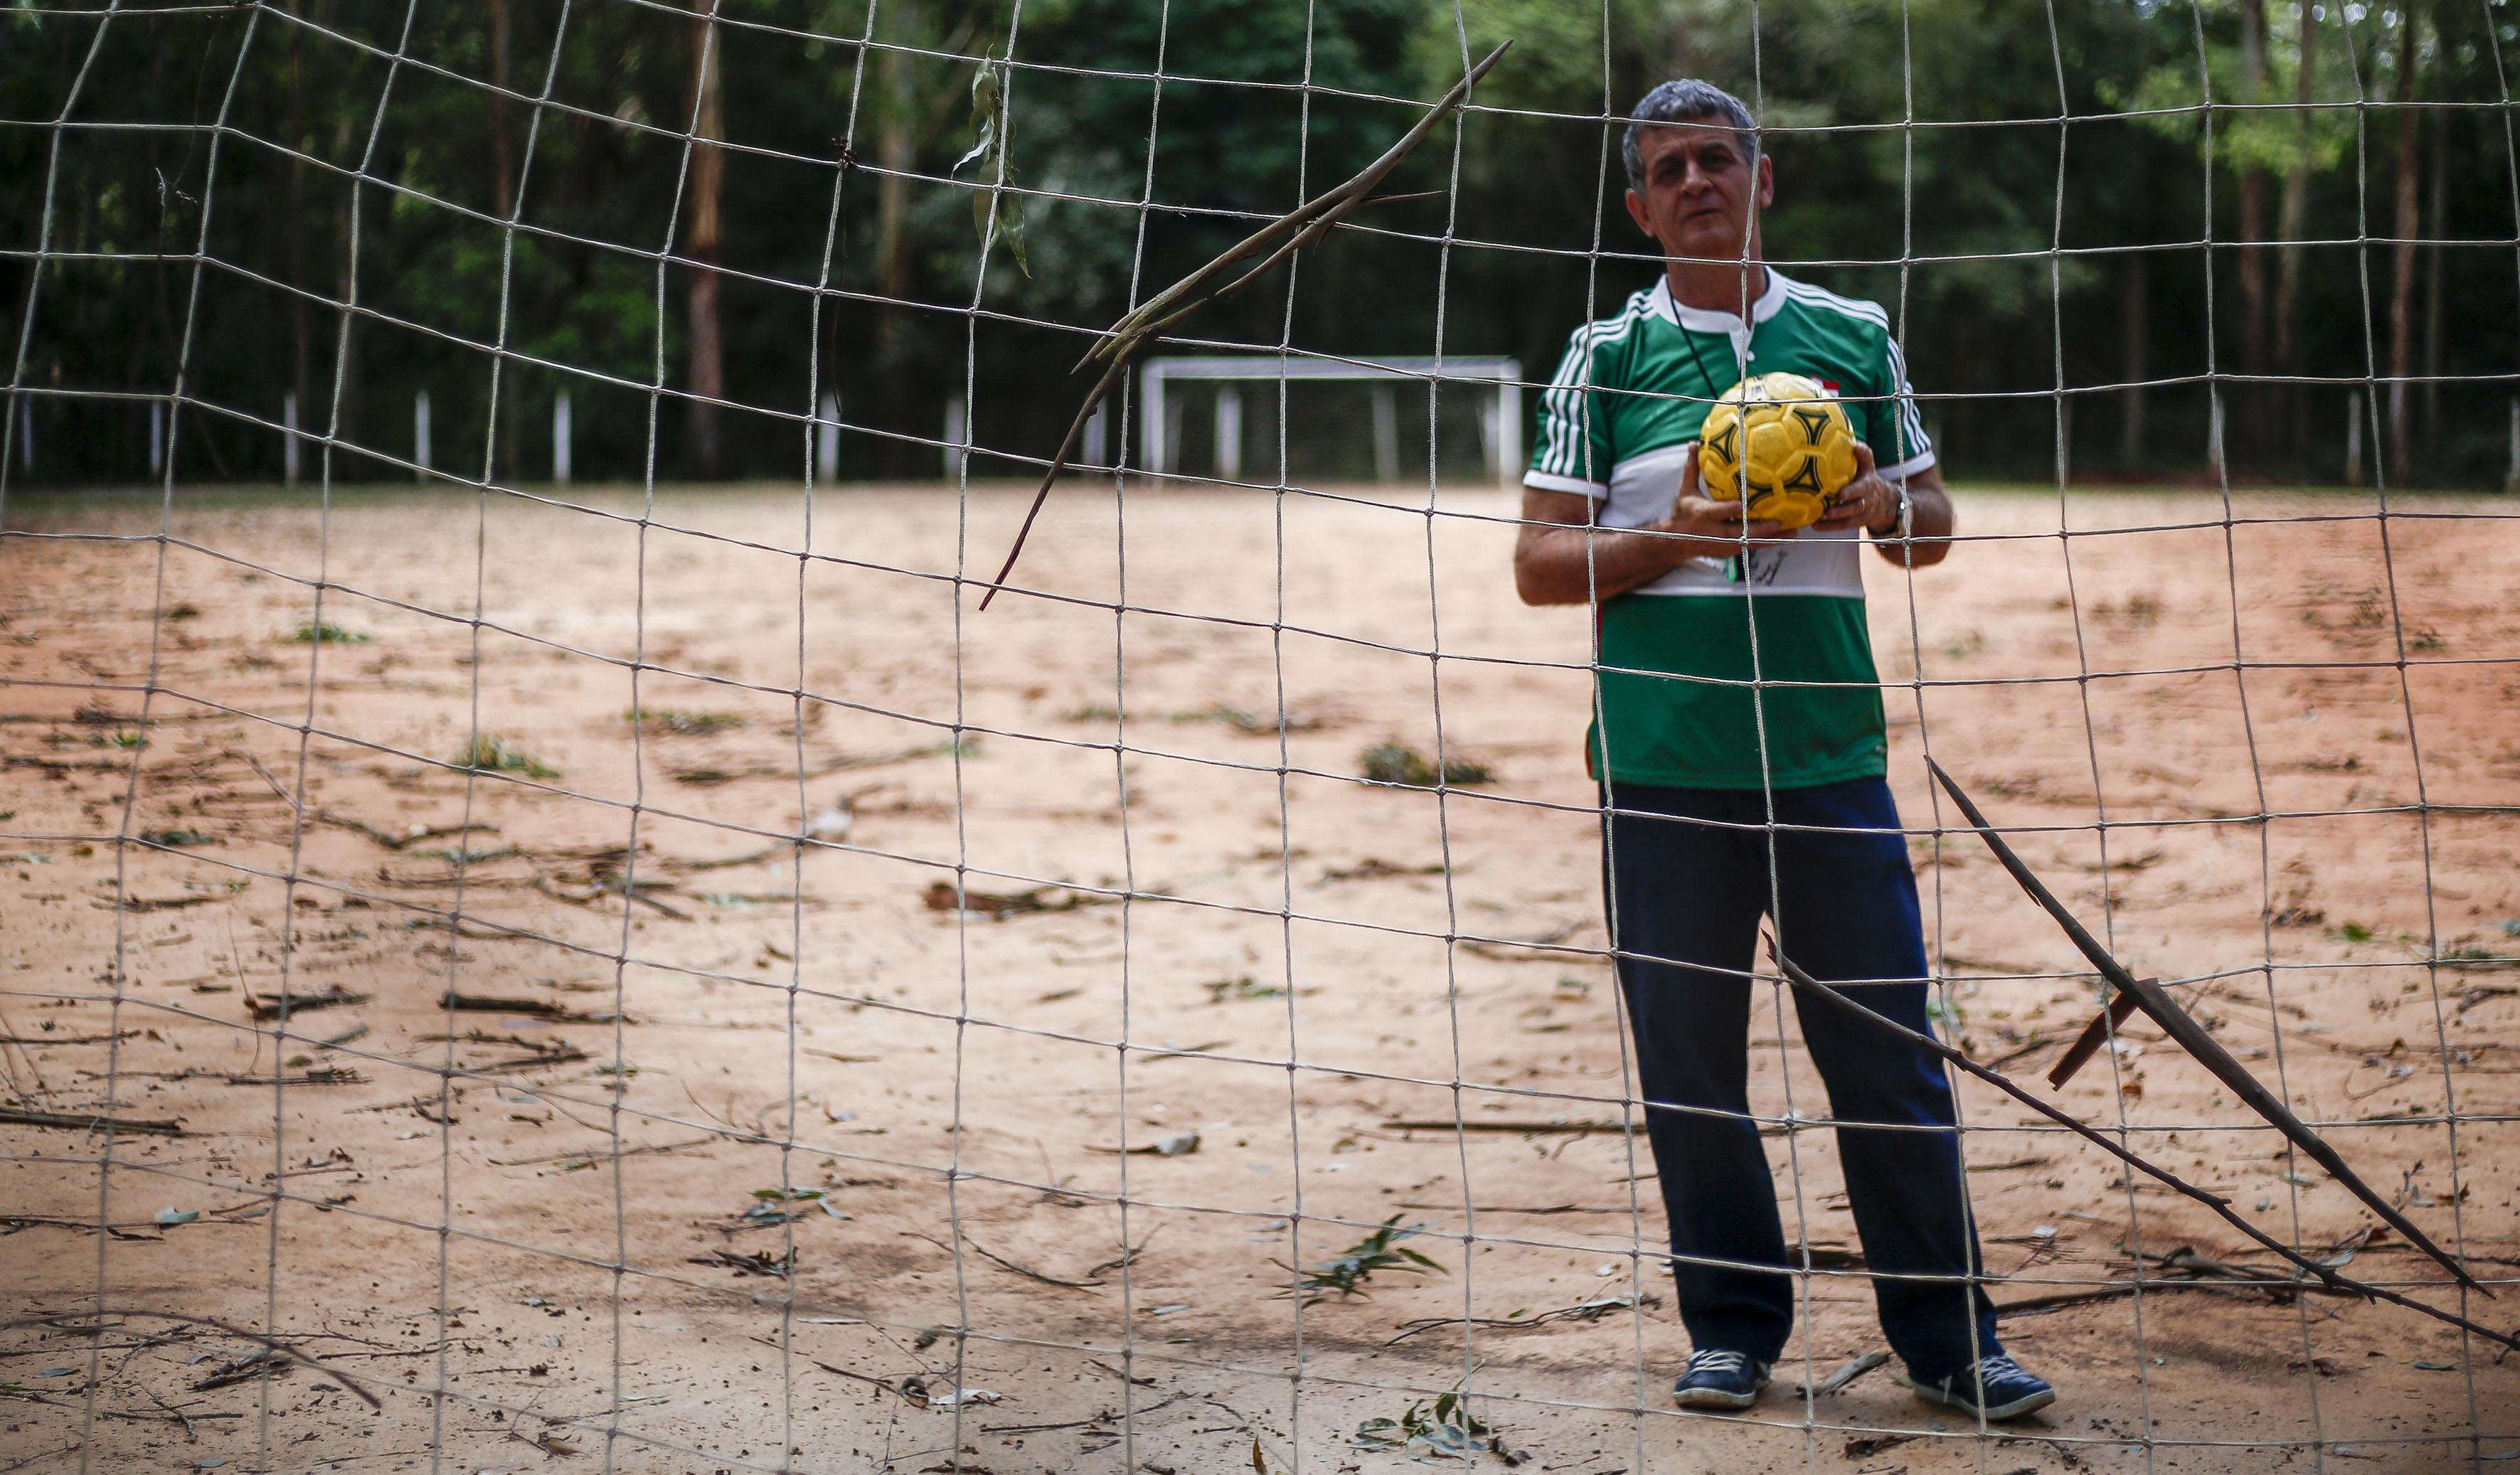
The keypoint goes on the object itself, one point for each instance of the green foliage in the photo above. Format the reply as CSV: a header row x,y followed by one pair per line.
x,y
326,632
1345,1274
1444,1427
864,187
670,722
2470,956
178,837
2276,141
489,754
1396,763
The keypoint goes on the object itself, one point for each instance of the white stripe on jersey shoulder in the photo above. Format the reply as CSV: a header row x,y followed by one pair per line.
x,y
1620,323
1560,454
1573,365
1853,307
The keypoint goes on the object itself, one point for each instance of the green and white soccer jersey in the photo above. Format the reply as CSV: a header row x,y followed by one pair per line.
x,y
1683,700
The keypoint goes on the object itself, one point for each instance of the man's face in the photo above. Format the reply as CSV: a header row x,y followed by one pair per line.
x,y
1702,195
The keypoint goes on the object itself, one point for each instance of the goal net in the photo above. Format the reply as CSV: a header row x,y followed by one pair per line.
x,y
556,908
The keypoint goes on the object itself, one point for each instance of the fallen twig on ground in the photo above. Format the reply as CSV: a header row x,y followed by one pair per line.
x,y
535,1061
78,1320
15,1222
2014,1164
749,857
1025,1271
261,1362
1583,1310
537,1008
1106,1417
941,896
135,1416
1851,1370
2119,1290
394,842
599,1154
2191,1036
1536,1128
1139,1379
862,1377
273,1005
1541,949
1506,1208
2030,1046
86,1121
759,1263
495,932
2186,1260
418,1103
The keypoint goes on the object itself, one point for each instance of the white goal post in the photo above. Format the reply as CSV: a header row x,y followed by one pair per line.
x,y
1500,413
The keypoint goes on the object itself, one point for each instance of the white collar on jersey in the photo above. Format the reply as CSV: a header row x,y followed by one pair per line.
x,y
1700,320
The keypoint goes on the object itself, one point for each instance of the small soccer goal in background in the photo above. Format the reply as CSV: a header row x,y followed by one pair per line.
x,y
1343,419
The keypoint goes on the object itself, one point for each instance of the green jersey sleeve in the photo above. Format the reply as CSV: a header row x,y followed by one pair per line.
x,y
1891,425
1573,448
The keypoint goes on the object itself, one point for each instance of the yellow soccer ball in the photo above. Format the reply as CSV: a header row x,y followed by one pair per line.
x,y
1784,440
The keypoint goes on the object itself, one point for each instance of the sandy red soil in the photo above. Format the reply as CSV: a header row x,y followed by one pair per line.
x,y
2296,725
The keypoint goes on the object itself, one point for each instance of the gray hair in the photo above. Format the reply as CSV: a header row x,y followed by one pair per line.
x,y
1678,101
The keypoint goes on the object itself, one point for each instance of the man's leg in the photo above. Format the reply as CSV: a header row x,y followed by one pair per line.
x,y
1849,912
1685,897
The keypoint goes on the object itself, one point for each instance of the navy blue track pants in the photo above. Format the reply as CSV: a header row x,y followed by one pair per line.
x,y
1687,870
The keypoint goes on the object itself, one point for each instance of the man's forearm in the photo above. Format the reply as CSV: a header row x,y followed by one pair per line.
x,y
1930,523
1575,566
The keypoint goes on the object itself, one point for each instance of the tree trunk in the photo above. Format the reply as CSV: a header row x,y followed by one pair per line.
x,y
294,229
2433,266
502,180
343,419
2253,198
2131,313
2401,280
2294,219
896,150
503,198
708,377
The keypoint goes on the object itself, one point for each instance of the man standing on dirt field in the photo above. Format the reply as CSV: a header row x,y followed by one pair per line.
x,y
1739,745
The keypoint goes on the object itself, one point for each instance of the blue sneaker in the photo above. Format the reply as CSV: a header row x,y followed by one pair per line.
x,y
1715,1379
1995,1389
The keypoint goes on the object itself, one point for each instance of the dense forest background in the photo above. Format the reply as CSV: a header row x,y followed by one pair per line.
x,y
2046,172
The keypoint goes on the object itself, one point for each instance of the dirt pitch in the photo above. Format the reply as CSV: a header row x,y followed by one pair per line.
x,y
529,1240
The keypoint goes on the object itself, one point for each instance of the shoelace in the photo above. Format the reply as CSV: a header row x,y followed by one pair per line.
x,y
1716,1362
1997,1368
